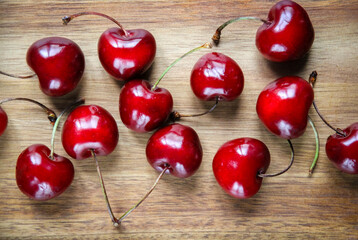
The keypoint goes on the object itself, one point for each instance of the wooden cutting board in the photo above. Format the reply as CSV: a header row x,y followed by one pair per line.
x,y
294,205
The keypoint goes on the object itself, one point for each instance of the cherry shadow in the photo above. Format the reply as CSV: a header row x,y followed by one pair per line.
x,y
62,102
240,207
288,68
56,207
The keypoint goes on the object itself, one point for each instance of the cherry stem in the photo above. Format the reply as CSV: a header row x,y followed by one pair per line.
x,y
285,170
206,45
313,165
68,108
67,19
113,218
176,115
146,195
51,115
18,76
312,80
216,36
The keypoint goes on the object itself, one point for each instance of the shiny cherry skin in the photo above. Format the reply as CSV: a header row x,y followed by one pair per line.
x,y
216,75
126,56
59,64
237,164
41,178
143,109
343,150
283,106
3,121
87,128
287,34
176,146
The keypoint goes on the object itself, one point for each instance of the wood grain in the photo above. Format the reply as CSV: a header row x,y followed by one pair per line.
x,y
294,205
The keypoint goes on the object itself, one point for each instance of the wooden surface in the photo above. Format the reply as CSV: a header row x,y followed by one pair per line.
x,y
294,205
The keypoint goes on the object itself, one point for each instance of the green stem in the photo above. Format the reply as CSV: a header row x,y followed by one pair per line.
x,y
79,102
216,36
149,192
206,45
313,165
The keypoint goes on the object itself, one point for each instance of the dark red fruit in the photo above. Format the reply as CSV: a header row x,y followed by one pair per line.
x,y
216,75
283,106
287,34
237,164
42,178
89,128
176,146
59,64
126,54
143,109
343,150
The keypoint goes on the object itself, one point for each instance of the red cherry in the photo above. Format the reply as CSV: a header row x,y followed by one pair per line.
x,y
216,75
40,177
342,150
124,54
237,164
142,108
59,64
287,34
89,128
283,106
3,121
176,147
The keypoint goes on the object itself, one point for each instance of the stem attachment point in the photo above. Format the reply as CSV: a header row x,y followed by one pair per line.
x,y
285,170
217,35
68,108
67,19
51,115
174,116
312,80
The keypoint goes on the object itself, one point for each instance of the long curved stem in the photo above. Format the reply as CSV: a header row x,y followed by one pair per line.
x,y
67,19
313,165
113,218
146,195
176,115
79,102
217,35
51,115
206,45
312,80
18,76
285,170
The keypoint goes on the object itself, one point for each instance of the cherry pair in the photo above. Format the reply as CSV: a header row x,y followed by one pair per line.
x,y
91,131
283,108
240,164
59,62
215,77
